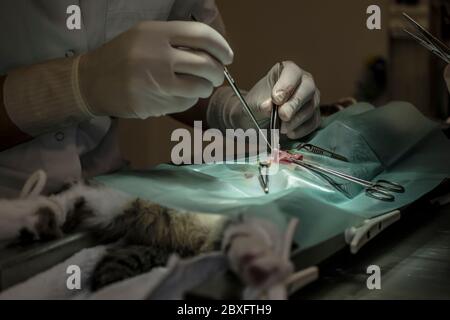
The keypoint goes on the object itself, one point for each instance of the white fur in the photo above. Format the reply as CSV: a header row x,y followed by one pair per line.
x,y
19,214
106,203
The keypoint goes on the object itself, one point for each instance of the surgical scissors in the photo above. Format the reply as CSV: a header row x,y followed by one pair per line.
x,y
320,151
380,190
427,40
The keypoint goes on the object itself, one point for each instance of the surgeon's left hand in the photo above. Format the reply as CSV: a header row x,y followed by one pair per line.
x,y
287,86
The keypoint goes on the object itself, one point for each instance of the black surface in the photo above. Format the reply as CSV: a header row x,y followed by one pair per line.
x,y
413,255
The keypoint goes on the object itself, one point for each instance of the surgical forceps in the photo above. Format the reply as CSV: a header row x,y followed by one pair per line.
x,y
380,190
274,119
427,40
264,167
249,111
238,93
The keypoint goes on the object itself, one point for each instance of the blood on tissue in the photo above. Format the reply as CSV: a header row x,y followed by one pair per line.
x,y
285,157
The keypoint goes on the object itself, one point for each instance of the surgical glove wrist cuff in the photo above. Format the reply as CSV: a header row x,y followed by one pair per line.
x,y
46,96
224,110
216,114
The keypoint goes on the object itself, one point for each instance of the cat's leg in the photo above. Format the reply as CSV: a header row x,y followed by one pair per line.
x,y
258,252
148,229
149,234
122,262
89,205
184,233
78,205
34,218
117,215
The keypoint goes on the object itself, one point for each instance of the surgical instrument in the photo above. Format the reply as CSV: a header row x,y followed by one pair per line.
x,y
380,190
427,40
238,93
264,167
249,111
320,151
274,120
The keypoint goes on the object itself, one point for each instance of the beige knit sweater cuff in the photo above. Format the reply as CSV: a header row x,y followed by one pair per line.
x,y
45,97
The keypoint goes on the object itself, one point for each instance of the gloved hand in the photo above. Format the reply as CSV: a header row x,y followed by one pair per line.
x,y
447,77
286,85
155,68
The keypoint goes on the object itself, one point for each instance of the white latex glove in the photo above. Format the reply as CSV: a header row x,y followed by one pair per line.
x,y
447,77
155,68
287,86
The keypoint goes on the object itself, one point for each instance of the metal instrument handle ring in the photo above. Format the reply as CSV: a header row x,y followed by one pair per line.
x,y
378,194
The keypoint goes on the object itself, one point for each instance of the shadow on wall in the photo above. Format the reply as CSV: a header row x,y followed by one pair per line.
x,y
327,38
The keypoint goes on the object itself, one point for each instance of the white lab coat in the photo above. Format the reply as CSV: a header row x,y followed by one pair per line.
x,y
33,31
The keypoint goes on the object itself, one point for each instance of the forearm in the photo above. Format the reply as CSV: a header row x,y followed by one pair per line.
x,y
42,98
10,134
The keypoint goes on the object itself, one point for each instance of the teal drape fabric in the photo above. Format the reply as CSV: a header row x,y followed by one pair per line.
x,y
394,142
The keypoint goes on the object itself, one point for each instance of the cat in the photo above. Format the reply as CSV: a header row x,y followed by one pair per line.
x,y
142,234
145,234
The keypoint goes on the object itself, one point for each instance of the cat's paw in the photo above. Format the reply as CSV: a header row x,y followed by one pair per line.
x,y
254,250
90,205
48,223
30,219
44,222
256,263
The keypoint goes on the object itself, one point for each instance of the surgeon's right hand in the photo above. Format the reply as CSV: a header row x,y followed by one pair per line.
x,y
447,77
154,69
